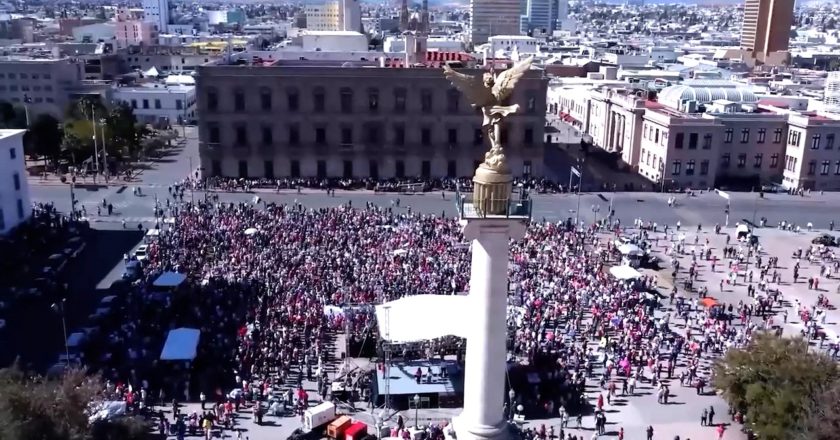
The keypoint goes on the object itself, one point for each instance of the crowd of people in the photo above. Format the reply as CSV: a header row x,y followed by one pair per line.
x,y
268,285
395,185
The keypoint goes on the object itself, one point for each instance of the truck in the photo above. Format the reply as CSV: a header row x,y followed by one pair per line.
x,y
318,416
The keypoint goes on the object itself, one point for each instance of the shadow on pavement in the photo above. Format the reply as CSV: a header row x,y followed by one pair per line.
x,y
34,331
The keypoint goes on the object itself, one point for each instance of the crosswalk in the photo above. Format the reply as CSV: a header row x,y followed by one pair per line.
x,y
128,220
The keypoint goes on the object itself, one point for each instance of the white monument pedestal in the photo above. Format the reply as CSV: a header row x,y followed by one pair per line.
x,y
484,377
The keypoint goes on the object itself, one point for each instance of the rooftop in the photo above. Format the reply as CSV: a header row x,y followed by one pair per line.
x,y
8,132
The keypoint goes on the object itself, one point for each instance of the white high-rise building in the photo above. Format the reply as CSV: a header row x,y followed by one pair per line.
x,y
157,12
15,206
494,17
334,15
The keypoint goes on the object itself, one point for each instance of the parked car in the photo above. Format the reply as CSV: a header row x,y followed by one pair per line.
x,y
141,253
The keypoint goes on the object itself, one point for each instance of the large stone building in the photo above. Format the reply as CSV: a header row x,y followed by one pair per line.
x,y
704,134
303,120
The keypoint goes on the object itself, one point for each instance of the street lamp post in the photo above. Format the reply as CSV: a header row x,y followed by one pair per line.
x,y
59,308
102,123
580,184
416,409
595,209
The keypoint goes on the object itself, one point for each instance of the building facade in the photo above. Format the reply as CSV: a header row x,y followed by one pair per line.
x,y
136,33
694,137
766,27
354,122
160,105
323,17
157,12
811,160
15,206
46,83
493,17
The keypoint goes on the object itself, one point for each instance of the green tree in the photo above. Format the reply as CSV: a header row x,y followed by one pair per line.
x,y
32,407
123,131
772,382
822,421
44,138
12,116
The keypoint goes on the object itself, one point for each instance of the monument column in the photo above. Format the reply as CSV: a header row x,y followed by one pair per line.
x,y
491,217
486,359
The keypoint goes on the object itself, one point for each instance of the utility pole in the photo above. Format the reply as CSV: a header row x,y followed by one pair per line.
x,y
104,150
95,148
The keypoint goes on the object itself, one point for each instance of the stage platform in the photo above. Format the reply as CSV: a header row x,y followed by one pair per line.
x,y
434,390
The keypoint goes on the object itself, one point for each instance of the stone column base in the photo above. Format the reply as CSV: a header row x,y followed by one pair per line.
x,y
465,431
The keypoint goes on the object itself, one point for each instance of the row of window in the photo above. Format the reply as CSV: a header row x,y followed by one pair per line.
x,y
679,139
653,134
179,104
758,159
348,169
22,75
676,167
816,140
25,88
347,102
761,137
824,166
372,135
725,162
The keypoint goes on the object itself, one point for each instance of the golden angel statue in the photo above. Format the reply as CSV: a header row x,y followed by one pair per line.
x,y
488,92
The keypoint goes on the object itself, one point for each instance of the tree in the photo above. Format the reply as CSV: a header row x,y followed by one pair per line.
x,y
124,131
772,382
12,116
44,138
32,407
822,421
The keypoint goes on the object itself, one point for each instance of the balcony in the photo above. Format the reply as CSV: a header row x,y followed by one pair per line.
x,y
518,206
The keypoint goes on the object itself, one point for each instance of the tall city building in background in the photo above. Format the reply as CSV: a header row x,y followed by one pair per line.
x,y
351,16
494,17
334,15
157,12
540,16
765,33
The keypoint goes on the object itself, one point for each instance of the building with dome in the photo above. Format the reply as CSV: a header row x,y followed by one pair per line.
x,y
691,98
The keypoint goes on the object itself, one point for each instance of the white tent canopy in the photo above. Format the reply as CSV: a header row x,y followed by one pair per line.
x,y
629,249
181,344
170,279
742,227
152,72
399,321
625,272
